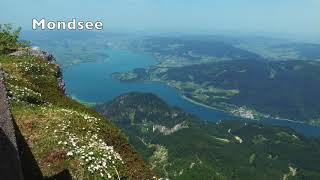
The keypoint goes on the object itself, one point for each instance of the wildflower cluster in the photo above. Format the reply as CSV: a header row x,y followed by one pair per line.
x,y
84,144
24,94
12,77
34,68
19,87
96,156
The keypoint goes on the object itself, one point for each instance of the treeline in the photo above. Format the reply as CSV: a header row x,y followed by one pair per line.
x,y
9,39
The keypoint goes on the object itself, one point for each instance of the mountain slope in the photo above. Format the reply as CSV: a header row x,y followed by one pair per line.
x,y
59,134
179,146
282,89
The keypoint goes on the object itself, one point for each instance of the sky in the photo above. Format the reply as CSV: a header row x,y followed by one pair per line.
x,y
278,16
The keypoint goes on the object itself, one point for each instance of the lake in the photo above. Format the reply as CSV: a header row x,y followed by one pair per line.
x,y
92,83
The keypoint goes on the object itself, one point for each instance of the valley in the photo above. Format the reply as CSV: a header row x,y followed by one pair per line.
x,y
178,145
144,73
193,115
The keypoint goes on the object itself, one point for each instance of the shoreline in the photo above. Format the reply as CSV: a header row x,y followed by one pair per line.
x,y
194,101
263,119
89,104
217,109
203,105
213,108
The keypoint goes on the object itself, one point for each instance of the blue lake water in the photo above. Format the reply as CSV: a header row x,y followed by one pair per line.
x,y
92,83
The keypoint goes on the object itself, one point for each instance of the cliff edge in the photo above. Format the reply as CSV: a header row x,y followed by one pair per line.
x,y
51,135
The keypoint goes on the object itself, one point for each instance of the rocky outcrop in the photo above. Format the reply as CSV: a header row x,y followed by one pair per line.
x,y
167,131
10,166
37,52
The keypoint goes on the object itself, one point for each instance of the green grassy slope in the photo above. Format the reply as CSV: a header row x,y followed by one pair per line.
x,y
61,133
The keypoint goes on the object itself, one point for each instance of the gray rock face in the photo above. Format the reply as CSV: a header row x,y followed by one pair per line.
x,y
167,131
5,116
37,52
10,166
